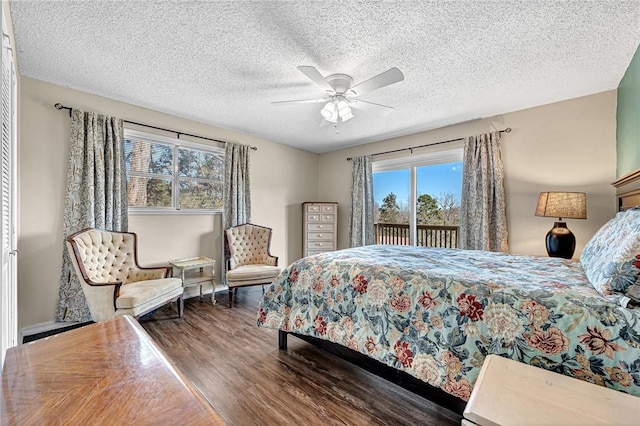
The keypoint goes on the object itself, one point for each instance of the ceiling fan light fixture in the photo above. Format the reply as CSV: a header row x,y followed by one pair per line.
x,y
344,111
329,112
346,117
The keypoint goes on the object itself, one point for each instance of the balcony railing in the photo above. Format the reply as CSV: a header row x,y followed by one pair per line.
x,y
427,235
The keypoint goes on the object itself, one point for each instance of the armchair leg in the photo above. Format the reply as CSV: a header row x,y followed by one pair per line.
x,y
180,306
231,298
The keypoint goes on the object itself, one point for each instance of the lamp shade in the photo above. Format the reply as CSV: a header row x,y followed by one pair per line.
x,y
569,205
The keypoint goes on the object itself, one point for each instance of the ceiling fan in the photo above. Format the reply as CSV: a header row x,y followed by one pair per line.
x,y
341,97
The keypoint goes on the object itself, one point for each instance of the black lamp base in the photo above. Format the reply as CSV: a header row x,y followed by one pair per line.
x,y
560,241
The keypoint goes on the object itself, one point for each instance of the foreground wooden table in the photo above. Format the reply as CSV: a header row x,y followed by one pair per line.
x,y
511,393
106,373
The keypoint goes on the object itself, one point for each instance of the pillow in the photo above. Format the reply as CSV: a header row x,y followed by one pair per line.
x,y
611,258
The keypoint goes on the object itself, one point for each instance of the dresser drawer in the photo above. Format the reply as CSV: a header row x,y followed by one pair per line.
x,y
320,236
327,217
320,227
313,218
320,245
321,208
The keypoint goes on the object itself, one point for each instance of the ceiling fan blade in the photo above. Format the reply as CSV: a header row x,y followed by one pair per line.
x,y
371,106
301,101
386,78
315,76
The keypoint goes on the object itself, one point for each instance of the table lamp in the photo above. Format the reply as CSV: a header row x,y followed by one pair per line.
x,y
560,240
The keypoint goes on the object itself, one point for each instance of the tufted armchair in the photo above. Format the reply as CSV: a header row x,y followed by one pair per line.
x,y
250,262
107,267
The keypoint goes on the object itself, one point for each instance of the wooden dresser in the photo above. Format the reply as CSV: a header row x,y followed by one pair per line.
x,y
110,372
319,227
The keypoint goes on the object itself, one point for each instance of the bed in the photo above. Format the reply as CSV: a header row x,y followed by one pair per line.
x,y
435,314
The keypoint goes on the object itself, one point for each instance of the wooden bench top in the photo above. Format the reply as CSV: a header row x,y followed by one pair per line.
x,y
110,372
512,393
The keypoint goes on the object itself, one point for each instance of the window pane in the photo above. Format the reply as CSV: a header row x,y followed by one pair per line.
x,y
199,164
200,195
391,196
149,192
439,189
146,157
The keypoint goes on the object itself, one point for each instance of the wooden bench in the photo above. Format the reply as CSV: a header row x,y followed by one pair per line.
x,y
110,372
512,393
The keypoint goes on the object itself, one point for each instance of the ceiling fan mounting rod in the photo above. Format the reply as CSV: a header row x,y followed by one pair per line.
x,y
340,83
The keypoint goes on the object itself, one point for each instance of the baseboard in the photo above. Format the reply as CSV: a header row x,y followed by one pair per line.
x,y
46,329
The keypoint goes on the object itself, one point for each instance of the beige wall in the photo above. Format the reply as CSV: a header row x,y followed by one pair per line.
x,y
568,145
281,179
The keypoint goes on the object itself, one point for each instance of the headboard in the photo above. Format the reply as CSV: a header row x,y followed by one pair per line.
x,y
628,190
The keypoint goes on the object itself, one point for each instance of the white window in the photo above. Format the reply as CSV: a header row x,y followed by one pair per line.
x,y
171,175
418,199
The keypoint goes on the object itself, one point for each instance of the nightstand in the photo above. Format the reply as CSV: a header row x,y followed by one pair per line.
x,y
197,271
508,392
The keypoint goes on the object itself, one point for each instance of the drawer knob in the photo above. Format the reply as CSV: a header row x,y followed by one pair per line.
x,y
320,226
320,235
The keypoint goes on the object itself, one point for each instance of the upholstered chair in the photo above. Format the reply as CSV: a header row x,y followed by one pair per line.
x,y
113,283
250,262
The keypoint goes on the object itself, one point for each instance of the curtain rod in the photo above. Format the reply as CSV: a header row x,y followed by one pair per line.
x,y
59,106
507,130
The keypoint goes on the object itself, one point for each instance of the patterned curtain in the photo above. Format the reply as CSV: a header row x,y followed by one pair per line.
x,y
237,190
483,222
96,196
361,231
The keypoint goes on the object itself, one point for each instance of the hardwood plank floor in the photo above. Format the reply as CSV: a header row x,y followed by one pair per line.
x,y
249,381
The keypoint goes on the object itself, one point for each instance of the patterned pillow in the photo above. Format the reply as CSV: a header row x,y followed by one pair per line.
x,y
611,258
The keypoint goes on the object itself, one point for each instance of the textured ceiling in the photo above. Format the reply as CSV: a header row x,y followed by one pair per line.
x,y
224,62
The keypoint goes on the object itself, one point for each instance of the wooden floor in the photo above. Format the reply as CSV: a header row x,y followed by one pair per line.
x,y
249,381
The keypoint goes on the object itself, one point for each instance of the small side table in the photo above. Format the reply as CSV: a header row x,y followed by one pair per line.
x,y
204,272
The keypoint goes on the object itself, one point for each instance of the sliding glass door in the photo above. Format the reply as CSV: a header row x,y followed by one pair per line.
x,y
418,200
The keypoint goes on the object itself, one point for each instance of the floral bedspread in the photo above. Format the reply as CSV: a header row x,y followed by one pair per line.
x,y
436,313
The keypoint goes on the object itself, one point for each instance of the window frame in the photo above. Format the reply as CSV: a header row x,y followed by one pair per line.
x,y
449,155
175,144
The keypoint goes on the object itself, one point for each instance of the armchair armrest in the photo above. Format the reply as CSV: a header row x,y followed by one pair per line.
x,y
116,287
139,273
101,298
272,260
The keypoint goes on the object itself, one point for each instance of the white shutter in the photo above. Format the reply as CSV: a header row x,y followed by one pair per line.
x,y
8,286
